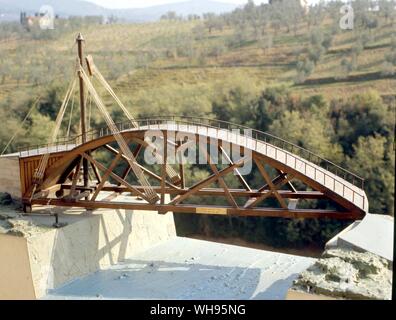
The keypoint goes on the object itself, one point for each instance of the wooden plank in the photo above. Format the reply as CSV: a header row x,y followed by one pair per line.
x,y
45,193
106,176
96,172
220,179
218,192
257,212
76,176
163,168
117,178
266,194
271,185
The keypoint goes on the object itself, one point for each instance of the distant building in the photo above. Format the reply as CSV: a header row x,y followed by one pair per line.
x,y
31,20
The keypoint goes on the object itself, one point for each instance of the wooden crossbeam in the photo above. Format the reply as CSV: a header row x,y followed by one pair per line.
x,y
132,189
181,166
272,187
128,169
76,176
145,170
46,192
216,192
268,194
208,181
106,176
220,179
213,210
96,172
163,168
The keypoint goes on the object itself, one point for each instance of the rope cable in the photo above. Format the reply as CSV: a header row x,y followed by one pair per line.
x,y
89,112
20,127
71,116
39,173
149,191
169,169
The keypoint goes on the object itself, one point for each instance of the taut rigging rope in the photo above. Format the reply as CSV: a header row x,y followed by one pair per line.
x,y
151,195
174,176
20,127
39,173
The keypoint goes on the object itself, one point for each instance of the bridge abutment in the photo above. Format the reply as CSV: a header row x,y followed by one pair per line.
x,y
41,258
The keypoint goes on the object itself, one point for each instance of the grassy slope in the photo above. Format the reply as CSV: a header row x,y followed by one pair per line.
x,y
119,46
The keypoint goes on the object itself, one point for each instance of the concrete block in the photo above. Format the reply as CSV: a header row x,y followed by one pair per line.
x,y
48,258
374,234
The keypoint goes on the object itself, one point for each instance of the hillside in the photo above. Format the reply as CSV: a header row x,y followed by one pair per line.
x,y
12,8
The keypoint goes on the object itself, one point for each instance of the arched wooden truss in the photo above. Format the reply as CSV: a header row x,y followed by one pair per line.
x,y
277,163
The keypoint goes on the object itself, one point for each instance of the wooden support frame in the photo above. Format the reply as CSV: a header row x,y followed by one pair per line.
x,y
145,170
220,179
272,186
193,190
180,194
106,176
96,172
128,168
212,192
163,168
132,189
214,210
76,176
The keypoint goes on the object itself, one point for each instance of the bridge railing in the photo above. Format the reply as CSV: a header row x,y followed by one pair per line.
x,y
66,144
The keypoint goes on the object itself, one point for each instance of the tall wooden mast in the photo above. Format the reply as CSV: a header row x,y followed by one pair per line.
x,y
80,41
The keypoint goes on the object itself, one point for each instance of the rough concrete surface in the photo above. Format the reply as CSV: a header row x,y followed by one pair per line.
x,y
348,274
374,234
190,269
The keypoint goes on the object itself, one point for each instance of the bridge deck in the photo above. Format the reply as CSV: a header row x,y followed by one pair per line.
x,y
323,177
326,178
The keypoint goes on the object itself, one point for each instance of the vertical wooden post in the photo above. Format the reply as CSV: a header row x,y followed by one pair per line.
x,y
163,171
181,168
80,41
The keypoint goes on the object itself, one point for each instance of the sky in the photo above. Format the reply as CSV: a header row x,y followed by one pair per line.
x,y
121,4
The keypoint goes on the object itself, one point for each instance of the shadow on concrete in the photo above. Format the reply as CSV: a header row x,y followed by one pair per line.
x,y
138,280
278,290
77,252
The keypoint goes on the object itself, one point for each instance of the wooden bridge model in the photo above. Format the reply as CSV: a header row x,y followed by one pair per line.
x,y
294,183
